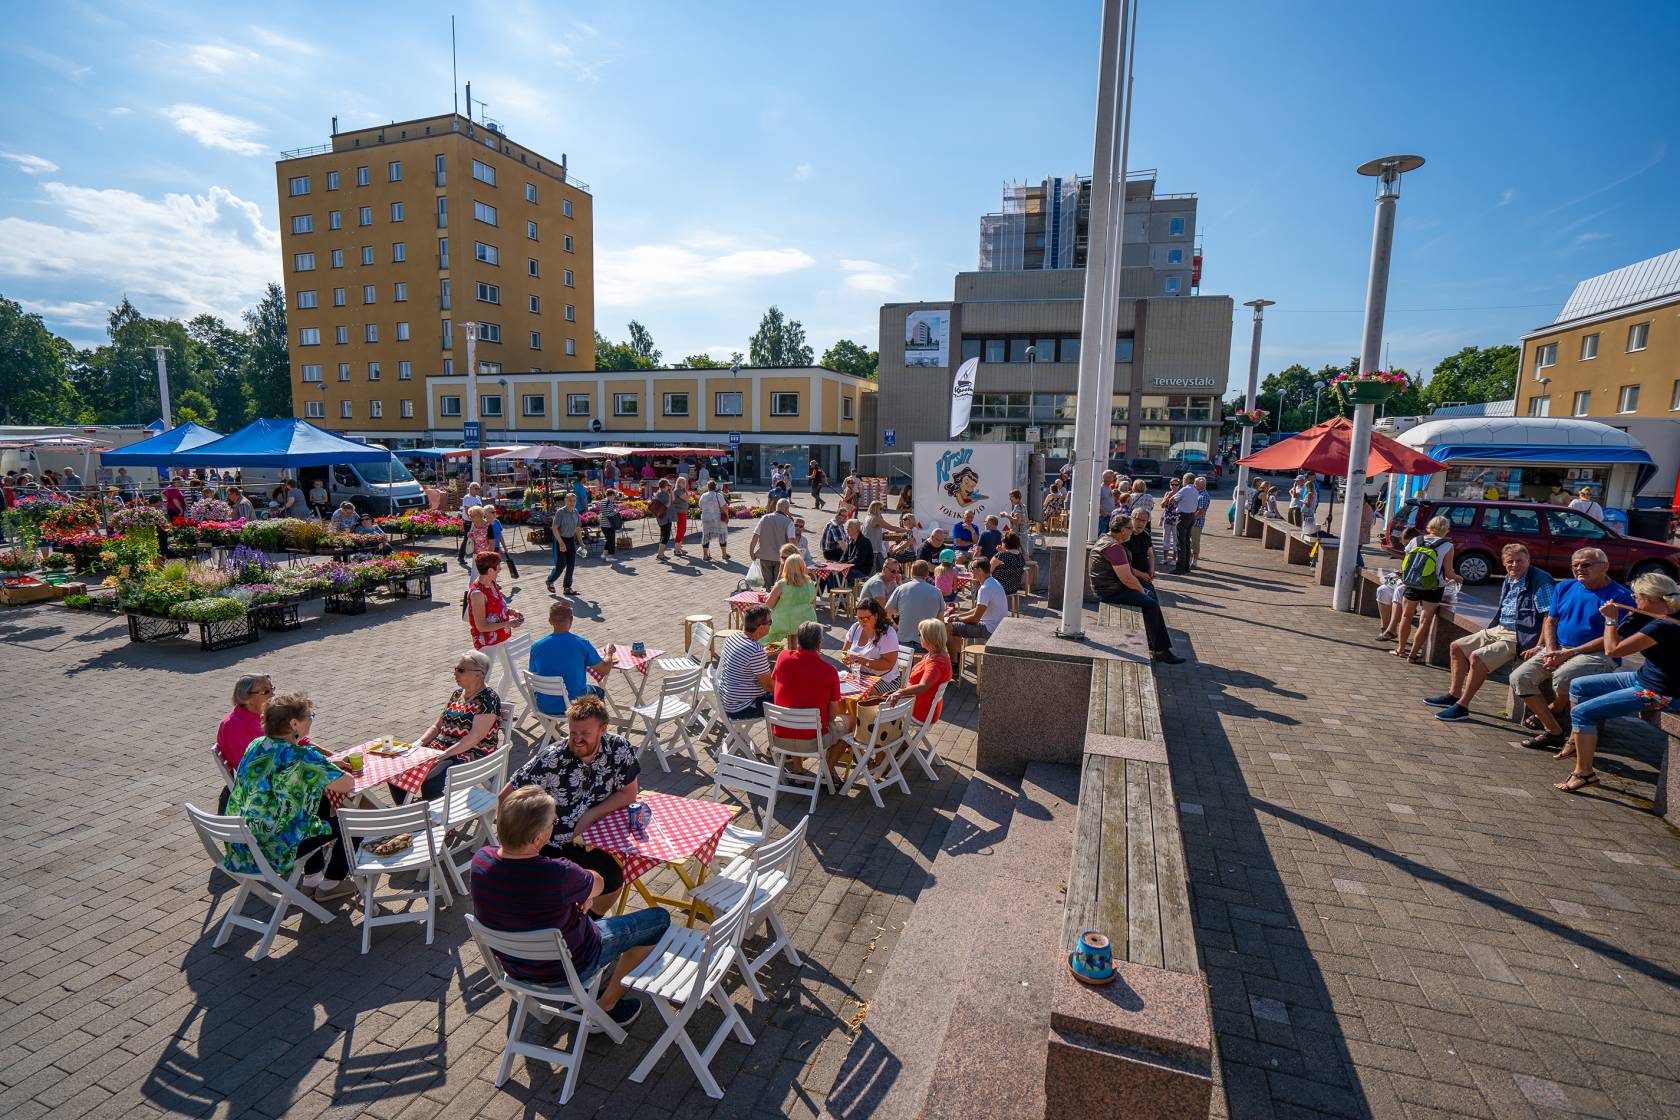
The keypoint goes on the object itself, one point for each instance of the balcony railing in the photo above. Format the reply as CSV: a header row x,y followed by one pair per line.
x,y
299,153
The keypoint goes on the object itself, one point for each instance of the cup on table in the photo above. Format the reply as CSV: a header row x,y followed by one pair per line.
x,y
353,761
637,649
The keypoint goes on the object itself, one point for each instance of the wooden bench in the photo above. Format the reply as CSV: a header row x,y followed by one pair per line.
x,y
1141,1045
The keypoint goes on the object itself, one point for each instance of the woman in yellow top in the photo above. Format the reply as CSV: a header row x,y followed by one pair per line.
x,y
792,600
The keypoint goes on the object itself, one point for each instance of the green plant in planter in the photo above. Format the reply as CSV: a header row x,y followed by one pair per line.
x,y
58,562
218,609
17,560
304,535
78,602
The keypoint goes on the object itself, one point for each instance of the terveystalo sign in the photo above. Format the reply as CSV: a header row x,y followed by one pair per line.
x,y
1181,382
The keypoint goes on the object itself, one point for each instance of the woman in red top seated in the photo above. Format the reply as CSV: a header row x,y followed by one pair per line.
x,y
489,617
243,724
926,675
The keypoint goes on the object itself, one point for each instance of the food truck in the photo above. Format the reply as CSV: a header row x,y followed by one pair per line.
x,y
1518,458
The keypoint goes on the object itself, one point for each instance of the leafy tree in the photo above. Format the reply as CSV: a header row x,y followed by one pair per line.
x,y
195,407
266,369
779,341
850,357
1474,376
701,361
221,363
621,355
35,386
641,344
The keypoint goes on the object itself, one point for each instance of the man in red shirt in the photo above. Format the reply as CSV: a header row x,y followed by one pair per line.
x,y
802,679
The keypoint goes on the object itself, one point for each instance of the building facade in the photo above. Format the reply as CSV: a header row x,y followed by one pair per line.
x,y
782,415
393,236
1612,352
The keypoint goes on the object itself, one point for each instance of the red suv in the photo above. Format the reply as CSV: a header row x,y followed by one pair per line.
x,y
1551,533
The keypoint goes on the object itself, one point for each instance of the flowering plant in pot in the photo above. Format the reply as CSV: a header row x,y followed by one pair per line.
x,y
1369,387
1249,417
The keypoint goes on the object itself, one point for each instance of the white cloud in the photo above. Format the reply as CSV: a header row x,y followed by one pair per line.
x,y
686,269
215,129
282,42
90,313
218,58
1507,195
176,255
802,172
121,111
28,164
1590,235
869,276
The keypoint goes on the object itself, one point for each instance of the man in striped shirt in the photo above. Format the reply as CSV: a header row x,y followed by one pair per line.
x,y
743,674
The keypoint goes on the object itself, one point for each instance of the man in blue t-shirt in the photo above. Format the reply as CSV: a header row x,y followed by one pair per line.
x,y
1571,645
568,656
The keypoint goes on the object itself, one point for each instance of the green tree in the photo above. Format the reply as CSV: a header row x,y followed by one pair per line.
x,y
622,355
641,344
850,357
1474,376
221,362
193,406
701,361
266,369
779,341
35,386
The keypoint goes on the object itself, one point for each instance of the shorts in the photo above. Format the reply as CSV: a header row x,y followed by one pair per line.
x,y
621,933
752,710
1493,647
590,859
1527,677
1389,592
1424,595
970,630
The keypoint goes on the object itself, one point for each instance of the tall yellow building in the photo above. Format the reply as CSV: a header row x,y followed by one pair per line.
x,y
394,236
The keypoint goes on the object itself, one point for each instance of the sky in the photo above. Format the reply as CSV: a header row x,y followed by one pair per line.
x,y
830,158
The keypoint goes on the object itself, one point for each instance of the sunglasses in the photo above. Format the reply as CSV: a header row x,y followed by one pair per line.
x,y
261,692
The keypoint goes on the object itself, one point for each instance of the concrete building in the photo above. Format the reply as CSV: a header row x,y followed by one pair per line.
x,y
393,236
782,415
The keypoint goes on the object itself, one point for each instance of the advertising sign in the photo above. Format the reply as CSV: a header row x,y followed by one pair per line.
x,y
952,478
927,336
469,434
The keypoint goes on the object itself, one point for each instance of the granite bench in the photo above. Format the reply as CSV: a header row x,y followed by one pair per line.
x,y
1274,534
1667,802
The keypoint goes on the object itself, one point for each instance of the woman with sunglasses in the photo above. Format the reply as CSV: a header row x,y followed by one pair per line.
x,y
467,729
243,724
489,618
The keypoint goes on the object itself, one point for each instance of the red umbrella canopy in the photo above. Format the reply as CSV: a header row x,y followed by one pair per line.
x,y
1324,450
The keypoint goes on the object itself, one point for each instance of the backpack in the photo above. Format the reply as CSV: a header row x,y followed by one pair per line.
x,y
1422,568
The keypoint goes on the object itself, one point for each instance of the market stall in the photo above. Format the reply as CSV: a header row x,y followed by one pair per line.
x,y
1524,457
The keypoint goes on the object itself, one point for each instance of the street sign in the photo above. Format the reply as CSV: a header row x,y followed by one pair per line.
x,y
1033,434
469,434
890,437
734,439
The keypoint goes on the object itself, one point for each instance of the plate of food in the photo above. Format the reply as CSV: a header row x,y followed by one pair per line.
x,y
390,748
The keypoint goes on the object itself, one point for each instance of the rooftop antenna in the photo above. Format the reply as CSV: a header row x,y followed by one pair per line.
x,y
469,100
454,74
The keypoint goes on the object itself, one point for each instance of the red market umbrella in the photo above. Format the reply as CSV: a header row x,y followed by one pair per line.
x,y
1324,450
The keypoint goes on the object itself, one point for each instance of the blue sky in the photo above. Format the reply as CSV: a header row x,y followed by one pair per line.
x,y
829,158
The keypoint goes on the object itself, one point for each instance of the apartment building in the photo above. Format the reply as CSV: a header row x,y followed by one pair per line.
x,y
1612,352
394,236
781,415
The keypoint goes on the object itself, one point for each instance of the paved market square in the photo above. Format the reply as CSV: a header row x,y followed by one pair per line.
x,y
1397,918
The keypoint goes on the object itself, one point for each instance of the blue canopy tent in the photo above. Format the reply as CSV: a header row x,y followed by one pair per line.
x,y
162,450
280,443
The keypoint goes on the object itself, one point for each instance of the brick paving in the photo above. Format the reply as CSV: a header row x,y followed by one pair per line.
x,y
113,1003
1400,917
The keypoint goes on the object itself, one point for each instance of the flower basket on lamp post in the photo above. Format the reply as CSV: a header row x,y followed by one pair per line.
x,y
1370,388
1248,417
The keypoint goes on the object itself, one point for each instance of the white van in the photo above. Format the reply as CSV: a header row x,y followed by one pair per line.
x,y
380,488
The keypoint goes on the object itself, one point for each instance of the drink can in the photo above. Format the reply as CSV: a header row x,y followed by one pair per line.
x,y
641,815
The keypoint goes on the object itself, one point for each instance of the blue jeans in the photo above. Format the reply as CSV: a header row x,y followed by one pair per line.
x,y
620,934
1592,700
752,710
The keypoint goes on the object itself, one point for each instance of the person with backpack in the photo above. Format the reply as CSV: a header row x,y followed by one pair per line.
x,y
1525,600
1425,572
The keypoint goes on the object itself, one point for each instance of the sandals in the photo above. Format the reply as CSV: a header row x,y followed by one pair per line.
x,y
1545,741
1568,750
1575,783
1416,658
1400,653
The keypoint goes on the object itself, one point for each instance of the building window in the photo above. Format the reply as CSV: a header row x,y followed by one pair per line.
x,y
1123,349
486,253
312,373
483,172
1589,347
484,212
566,207
1638,334
1545,356
1628,399
335,219
1174,284
376,409
406,408
1175,227
1674,401
396,211
845,408
367,254
309,336
726,404
332,180
530,231
405,371
571,313
566,243
402,332
1175,256
676,404
448,336
443,212
307,300
577,404
443,295
784,404
443,252
449,367
536,340
361,176
344,371
626,404
393,171
532,404
1583,400
449,406
303,223
571,348
534,304
338,297
303,262
399,292
338,258
1540,406
489,404
297,185
531,267
370,293
439,163
370,332
489,293
566,278
364,216
341,335
489,332
346,410
530,192
312,410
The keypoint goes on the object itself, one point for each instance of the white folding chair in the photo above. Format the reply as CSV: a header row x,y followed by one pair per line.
x,y
746,778
221,767
674,705
510,680
699,656
906,657
574,1003
553,726
916,743
680,974
264,884
783,750
887,739
424,855
765,876
468,809
737,735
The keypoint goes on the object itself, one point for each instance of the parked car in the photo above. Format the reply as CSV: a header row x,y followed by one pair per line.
x,y
1480,529
1147,469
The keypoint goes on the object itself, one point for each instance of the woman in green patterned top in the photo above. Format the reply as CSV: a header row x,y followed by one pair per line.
x,y
281,790
792,600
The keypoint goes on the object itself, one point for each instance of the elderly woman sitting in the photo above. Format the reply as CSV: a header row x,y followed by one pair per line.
x,y
469,727
344,518
244,724
281,792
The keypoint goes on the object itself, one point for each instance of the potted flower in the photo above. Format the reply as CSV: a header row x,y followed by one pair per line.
x,y
1369,387
16,561
1249,417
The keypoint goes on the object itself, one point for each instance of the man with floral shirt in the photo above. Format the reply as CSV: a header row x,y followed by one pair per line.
x,y
589,774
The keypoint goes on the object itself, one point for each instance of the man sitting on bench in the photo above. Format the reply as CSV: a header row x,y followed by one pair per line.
x,y
1571,645
1524,602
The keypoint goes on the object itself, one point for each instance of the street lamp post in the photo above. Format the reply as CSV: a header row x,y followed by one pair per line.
x,y
1318,388
470,413
1241,494
1387,172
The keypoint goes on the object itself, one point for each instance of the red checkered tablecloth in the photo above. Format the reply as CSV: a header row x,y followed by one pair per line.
x,y
627,660
830,568
405,771
741,600
682,829
856,684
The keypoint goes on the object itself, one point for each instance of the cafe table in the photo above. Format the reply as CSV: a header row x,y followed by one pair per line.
x,y
682,829
633,665
740,603
406,771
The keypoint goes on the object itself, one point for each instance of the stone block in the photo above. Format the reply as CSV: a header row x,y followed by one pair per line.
x,y
1297,549
1058,547
1667,801
1253,527
1326,562
1273,534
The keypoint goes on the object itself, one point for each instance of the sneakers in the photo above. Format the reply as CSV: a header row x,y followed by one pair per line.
x,y
1453,713
625,1011
1445,700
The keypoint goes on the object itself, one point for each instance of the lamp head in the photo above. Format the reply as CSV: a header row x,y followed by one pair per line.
x,y
1387,171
